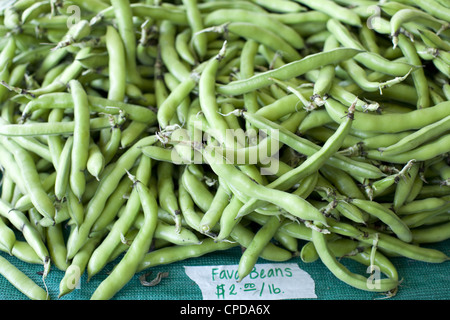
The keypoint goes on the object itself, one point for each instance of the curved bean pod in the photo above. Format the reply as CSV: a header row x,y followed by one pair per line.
x,y
342,273
287,71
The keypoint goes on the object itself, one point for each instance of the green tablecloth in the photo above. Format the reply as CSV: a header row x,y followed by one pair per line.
x,y
421,281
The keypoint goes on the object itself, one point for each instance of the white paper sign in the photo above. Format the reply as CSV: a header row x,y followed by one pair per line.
x,y
266,282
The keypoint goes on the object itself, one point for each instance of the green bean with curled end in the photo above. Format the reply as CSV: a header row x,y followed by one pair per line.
x,y
8,188
75,207
288,71
315,119
183,47
285,240
76,32
344,274
345,96
9,164
21,281
228,219
128,265
281,107
110,139
244,236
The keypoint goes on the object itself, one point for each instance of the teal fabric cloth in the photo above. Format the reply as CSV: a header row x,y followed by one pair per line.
x,y
421,281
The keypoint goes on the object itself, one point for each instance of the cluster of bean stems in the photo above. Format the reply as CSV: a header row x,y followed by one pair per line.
x,y
340,116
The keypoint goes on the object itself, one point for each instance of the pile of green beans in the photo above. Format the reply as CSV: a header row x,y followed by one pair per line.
x,y
99,108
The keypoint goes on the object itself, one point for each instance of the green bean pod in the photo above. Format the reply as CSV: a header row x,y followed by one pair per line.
x,y
127,267
21,281
342,273
288,71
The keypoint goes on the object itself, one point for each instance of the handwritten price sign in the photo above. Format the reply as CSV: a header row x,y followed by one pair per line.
x,y
266,281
